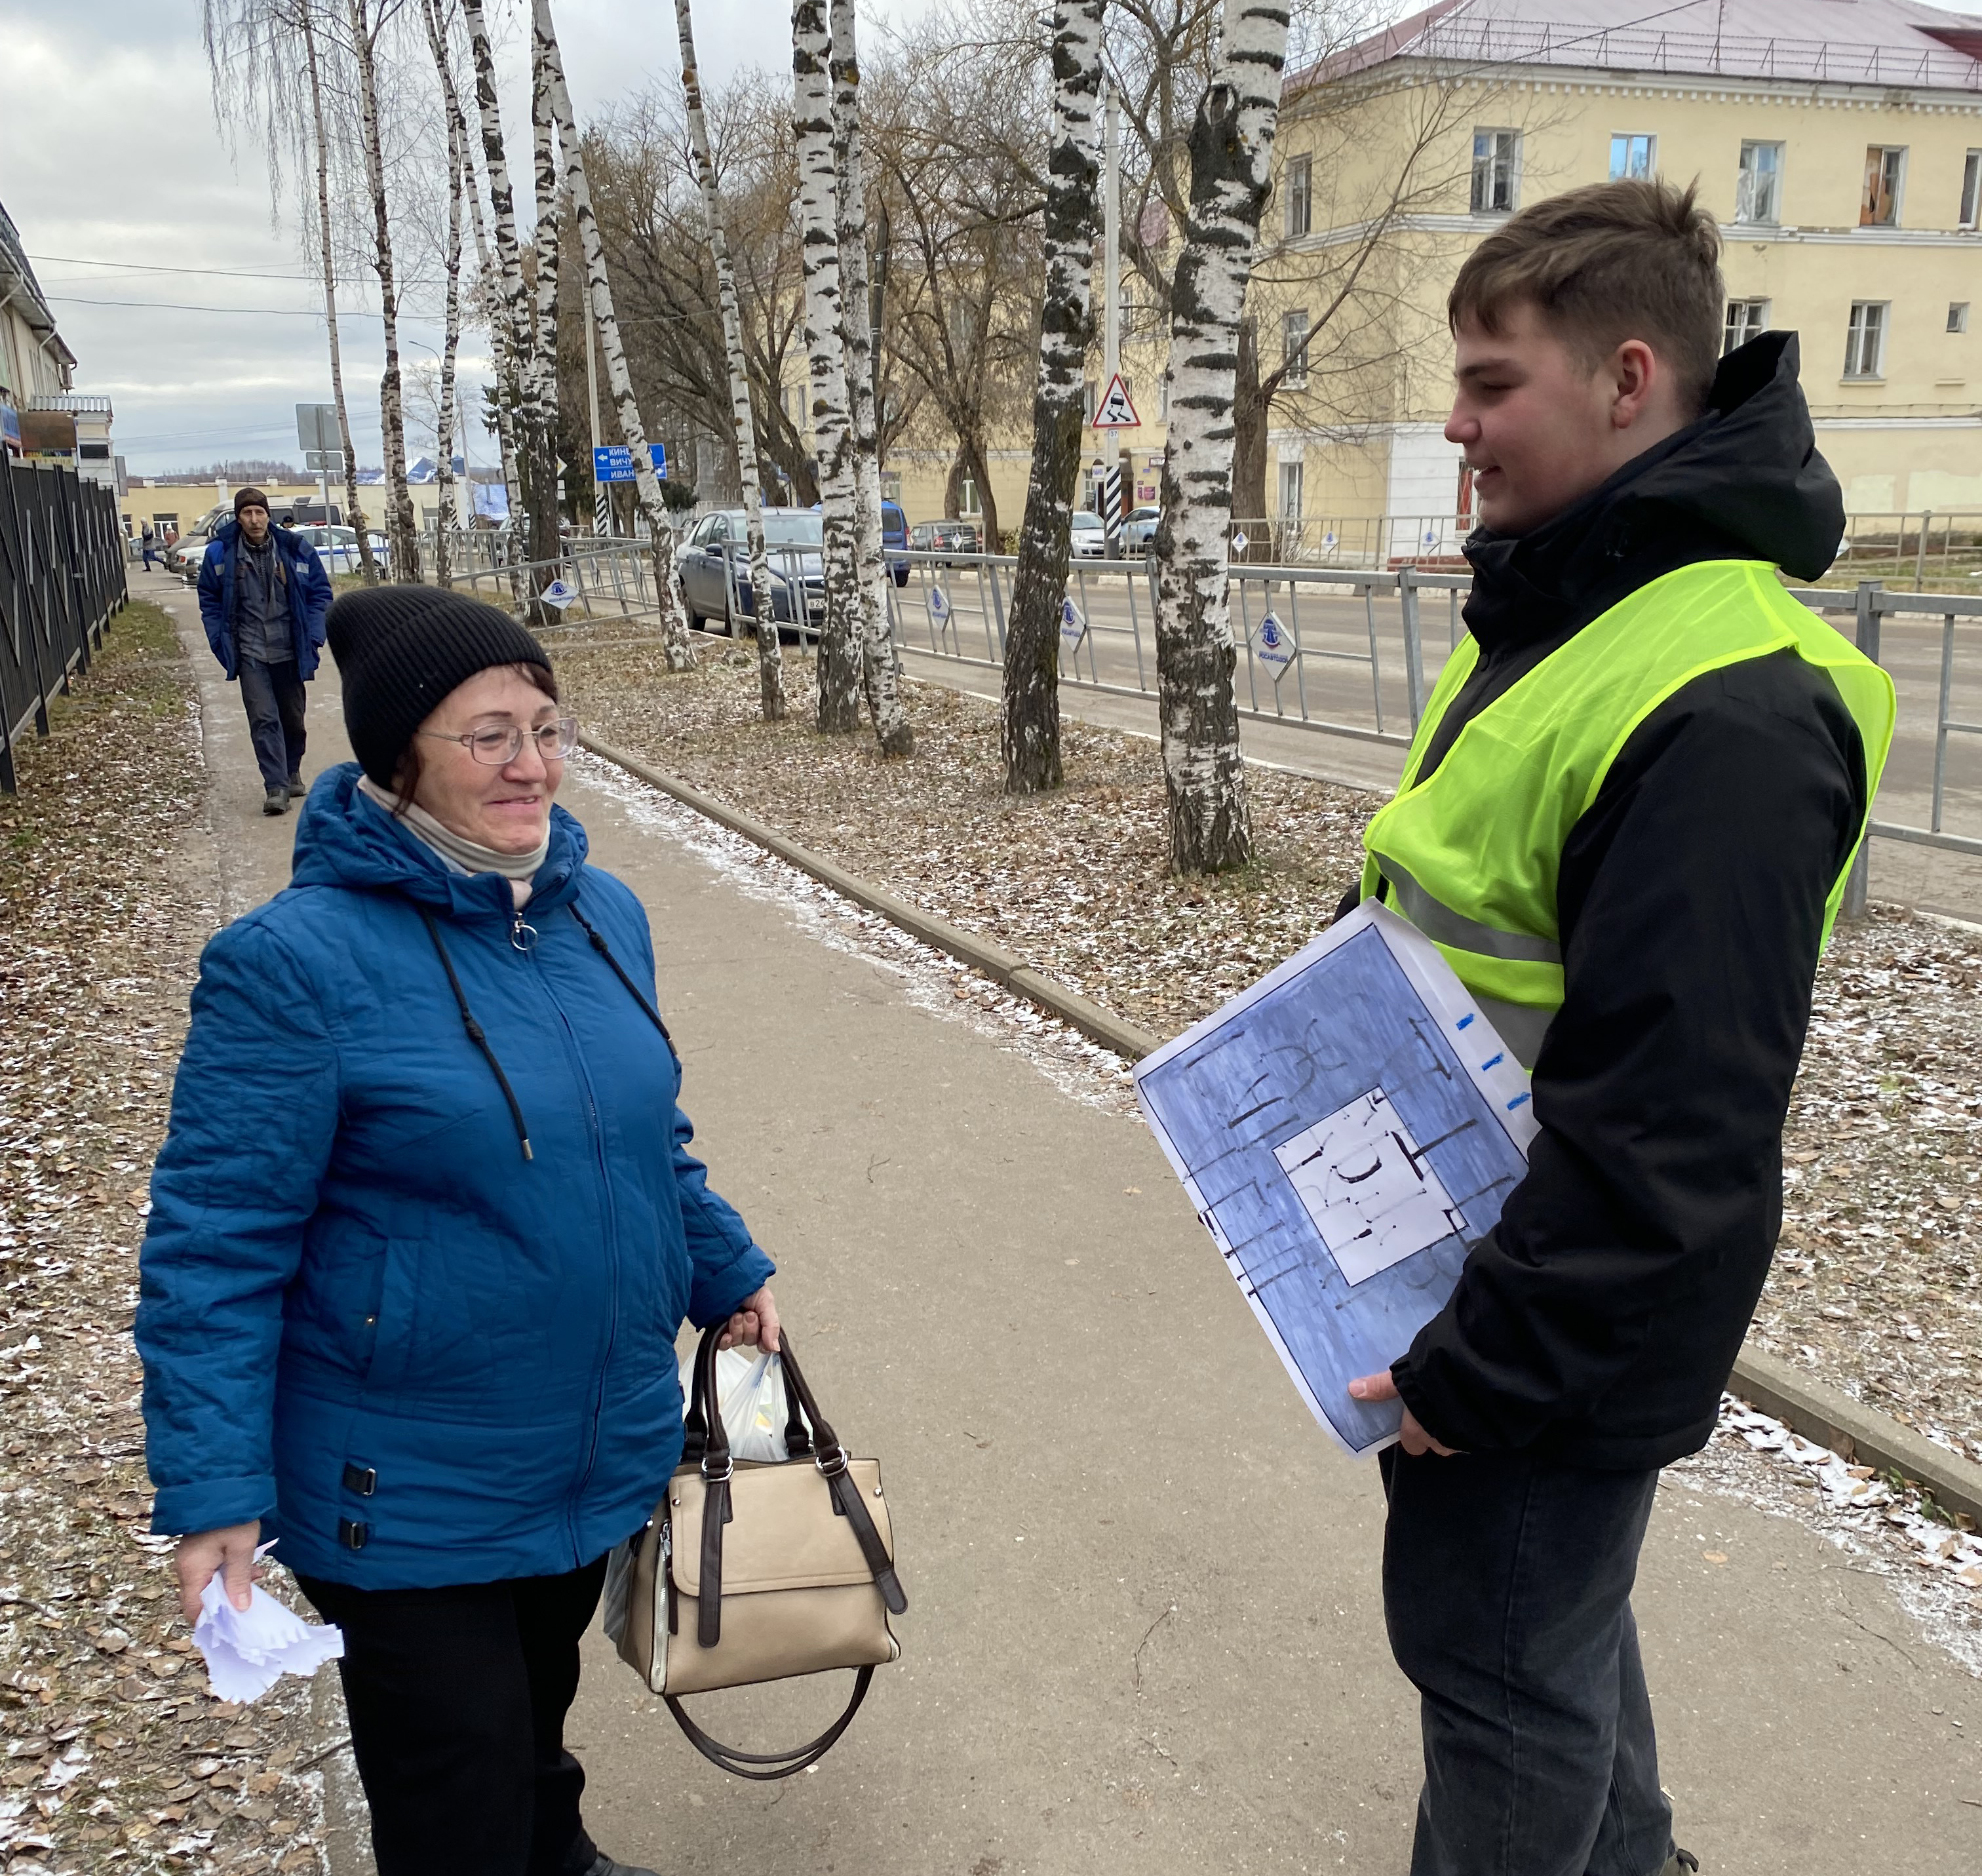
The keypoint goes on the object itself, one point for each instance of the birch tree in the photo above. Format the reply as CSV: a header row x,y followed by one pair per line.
x,y
877,649
1029,734
446,521
770,661
540,476
401,535
677,649
516,383
839,675
1231,146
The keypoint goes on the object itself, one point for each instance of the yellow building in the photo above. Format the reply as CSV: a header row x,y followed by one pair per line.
x,y
1838,143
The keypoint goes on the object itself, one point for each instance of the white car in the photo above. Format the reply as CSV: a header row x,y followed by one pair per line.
x,y
1090,538
337,548
1138,530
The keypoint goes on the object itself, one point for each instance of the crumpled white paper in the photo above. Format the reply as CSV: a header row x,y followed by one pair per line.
x,y
249,1650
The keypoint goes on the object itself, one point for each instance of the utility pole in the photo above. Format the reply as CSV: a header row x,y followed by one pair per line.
x,y
602,494
1113,506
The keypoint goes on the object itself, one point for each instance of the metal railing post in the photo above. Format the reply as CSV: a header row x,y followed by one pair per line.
x,y
1920,551
1407,602
1857,887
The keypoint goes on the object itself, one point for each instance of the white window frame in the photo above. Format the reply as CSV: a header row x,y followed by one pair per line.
x,y
1957,316
1500,160
1971,190
1746,176
1292,480
1297,197
1293,356
1754,319
1628,138
1899,191
967,502
1865,340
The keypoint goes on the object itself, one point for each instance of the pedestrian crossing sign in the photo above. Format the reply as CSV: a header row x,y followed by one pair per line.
x,y
1115,412
1274,645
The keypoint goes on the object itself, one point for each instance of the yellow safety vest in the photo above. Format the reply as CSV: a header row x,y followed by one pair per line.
x,y
1471,857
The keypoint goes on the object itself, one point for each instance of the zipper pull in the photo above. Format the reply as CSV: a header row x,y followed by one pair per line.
x,y
522,934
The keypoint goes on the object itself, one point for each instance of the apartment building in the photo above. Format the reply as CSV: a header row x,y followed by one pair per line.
x,y
1838,142
34,361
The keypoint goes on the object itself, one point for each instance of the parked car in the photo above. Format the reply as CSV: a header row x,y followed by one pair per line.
x,y
183,556
337,547
895,535
792,538
1138,532
1090,538
947,536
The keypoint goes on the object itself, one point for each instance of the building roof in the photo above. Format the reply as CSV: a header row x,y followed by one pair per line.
x,y
1893,43
20,290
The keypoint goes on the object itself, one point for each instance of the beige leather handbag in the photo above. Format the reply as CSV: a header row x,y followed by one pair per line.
x,y
754,1571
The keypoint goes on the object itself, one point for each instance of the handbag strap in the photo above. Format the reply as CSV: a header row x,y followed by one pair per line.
x,y
783,1764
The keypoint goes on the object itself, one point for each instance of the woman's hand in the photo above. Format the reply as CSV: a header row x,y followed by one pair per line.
x,y
230,1553
1415,1440
755,1324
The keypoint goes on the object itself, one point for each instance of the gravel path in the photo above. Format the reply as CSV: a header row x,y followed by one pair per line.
x,y
1878,1287
113,1750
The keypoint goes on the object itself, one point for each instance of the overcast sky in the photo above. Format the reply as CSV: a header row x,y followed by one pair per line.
x,y
114,173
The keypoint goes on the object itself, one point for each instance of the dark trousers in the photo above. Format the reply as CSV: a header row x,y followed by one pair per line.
x,y
457,1699
272,696
1506,1589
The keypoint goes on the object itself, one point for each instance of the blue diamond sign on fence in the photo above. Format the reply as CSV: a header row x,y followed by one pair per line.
x,y
1273,645
559,594
1072,623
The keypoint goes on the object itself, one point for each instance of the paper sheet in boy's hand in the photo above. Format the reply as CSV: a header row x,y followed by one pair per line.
x,y
1347,1129
248,1650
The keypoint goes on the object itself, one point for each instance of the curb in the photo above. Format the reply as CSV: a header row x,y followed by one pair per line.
x,y
1815,1409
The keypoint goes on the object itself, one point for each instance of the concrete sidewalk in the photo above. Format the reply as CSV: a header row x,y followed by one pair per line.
x,y
1145,1633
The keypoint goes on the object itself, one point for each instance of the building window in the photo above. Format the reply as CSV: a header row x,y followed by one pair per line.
x,y
1747,319
1496,167
1297,194
1885,170
1632,154
1293,349
1958,316
1290,491
1090,397
1971,190
1865,344
966,496
1758,191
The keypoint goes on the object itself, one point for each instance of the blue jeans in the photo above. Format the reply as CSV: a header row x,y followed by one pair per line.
x,y
1506,1589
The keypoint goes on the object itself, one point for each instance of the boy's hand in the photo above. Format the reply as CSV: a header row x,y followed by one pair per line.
x,y
1380,1387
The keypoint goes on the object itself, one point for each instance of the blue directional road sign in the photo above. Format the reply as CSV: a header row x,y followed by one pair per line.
x,y
613,463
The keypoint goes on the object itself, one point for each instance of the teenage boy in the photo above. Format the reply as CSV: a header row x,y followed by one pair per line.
x,y
263,594
1627,820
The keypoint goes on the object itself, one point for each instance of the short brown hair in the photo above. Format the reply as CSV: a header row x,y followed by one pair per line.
x,y
1628,259
406,771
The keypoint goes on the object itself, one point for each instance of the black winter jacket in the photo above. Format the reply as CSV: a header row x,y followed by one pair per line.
x,y
1598,1321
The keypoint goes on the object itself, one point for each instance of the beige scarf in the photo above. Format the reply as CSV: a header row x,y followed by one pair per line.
x,y
459,855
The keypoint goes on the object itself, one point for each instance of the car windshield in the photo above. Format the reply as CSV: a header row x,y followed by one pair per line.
x,y
793,530
1086,522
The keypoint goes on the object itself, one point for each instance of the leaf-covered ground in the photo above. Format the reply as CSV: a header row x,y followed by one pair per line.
x,y
1878,1286
115,1756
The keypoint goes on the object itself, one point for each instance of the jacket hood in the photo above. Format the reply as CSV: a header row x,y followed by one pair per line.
x,y
1744,481
345,839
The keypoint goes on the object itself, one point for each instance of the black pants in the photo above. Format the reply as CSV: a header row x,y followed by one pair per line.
x,y
457,1699
272,696
1506,1589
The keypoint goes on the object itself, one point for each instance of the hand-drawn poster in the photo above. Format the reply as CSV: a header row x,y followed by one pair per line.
x,y
1346,1128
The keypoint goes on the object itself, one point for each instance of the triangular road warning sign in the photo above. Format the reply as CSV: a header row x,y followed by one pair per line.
x,y
1115,412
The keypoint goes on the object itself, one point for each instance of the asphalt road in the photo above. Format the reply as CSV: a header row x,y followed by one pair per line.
x,y
1145,1634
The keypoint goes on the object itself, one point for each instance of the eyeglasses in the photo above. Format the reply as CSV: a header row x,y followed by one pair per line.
x,y
495,744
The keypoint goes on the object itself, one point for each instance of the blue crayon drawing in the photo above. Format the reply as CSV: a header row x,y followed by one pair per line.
x,y
1345,1129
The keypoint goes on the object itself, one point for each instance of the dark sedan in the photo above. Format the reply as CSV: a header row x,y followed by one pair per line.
x,y
949,536
792,542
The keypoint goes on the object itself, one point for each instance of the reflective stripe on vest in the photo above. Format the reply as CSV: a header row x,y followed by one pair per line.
x,y
1471,855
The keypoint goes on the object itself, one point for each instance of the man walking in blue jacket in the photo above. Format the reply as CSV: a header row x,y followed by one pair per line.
x,y
263,594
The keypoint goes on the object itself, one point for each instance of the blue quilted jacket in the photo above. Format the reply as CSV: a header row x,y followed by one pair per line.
x,y
366,1318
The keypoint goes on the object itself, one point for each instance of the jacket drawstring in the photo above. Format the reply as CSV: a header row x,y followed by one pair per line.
x,y
477,1036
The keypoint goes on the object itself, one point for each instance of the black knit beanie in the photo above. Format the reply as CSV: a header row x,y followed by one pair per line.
x,y
249,498
401,650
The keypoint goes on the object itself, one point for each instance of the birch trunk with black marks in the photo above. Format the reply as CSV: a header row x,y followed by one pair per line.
x,y
512,357
446,521
1231,148
354,511
770,658
839,684
677,648
1030,733
878,674
489,304
540,488
402,536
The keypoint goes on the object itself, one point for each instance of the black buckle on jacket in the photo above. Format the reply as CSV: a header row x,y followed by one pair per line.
x,y
363,1480
352,1536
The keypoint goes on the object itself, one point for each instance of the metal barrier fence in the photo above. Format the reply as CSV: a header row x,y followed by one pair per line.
x,y
1339,651
61,577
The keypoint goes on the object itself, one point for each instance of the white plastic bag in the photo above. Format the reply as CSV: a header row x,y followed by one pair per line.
x,y
750,1384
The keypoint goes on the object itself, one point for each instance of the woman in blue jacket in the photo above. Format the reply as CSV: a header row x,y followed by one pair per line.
x,y
424,1229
